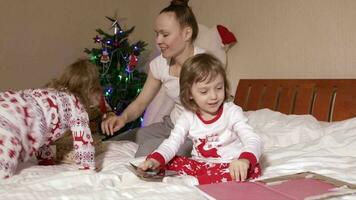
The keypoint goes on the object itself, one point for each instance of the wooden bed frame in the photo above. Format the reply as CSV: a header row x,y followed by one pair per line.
x,y
326,99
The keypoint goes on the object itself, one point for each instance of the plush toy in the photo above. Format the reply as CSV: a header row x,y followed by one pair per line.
x,y
227,37
216,40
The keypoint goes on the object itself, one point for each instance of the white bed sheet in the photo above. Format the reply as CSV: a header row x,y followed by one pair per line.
x,y
114,181
325,148
332,153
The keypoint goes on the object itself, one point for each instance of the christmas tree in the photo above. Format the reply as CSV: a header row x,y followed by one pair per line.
x,y
118,60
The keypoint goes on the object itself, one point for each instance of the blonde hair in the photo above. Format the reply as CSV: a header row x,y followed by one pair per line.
x,y
81,78
201,67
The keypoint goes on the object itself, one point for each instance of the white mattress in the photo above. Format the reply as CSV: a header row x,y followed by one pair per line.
x,y
291,144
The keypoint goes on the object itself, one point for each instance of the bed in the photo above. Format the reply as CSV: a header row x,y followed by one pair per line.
x,y
306,125
326,99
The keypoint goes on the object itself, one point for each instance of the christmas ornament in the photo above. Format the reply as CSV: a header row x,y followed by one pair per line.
x,y
105,57
132,63
97,39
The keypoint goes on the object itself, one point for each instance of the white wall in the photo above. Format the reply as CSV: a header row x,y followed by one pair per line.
x,y
277,38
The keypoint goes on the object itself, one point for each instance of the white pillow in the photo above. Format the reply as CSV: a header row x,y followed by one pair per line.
x,y
279,130
340,137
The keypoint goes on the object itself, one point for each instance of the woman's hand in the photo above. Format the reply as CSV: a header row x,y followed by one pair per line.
x,y
149,164
238,169
112,123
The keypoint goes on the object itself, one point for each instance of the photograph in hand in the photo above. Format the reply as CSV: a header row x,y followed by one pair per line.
x,y
151,175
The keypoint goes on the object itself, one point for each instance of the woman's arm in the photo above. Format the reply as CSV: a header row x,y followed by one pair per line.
x,y
149,90
114,123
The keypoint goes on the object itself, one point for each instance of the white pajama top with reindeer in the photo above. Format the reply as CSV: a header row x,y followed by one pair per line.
x,y
219,140
30,120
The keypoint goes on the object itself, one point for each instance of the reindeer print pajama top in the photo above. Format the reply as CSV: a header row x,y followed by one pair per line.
x,y
216,143
30,120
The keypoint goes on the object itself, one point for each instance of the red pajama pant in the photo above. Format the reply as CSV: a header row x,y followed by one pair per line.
x,y
207,173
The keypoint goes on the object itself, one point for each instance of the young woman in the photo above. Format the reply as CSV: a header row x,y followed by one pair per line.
x,y
225,147
30,120
176,29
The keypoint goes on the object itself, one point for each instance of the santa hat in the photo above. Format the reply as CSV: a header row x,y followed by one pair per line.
x,y
227,37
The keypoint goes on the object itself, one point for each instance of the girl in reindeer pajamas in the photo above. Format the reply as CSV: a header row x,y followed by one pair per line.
x,y
225,147
30,120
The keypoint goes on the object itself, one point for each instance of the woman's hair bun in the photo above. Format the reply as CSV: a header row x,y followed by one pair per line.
x,y
180,2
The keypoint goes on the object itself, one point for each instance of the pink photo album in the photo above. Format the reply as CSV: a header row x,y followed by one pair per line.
x,y
306,185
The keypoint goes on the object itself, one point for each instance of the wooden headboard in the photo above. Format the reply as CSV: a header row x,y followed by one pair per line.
x,y
325,99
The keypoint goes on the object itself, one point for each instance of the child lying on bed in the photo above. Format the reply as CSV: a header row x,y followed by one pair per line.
x,y
225,147
30,120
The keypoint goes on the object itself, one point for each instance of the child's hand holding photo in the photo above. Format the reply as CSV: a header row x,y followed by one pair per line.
x,y
149,164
